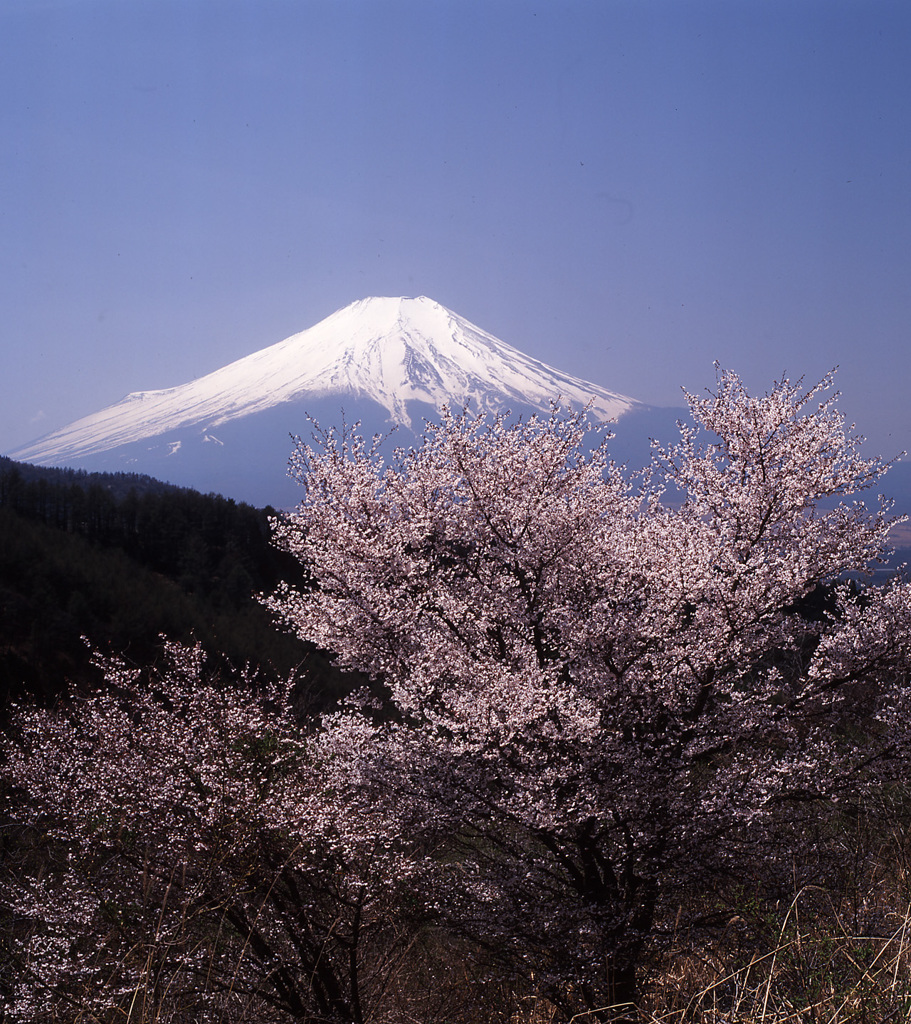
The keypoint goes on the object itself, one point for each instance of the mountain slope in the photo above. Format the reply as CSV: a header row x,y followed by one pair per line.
x,y
393,351
383,361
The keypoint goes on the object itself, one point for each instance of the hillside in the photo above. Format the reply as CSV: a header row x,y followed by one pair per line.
x,y
120,559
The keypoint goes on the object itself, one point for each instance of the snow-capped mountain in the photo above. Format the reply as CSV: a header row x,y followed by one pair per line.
x,y
406,356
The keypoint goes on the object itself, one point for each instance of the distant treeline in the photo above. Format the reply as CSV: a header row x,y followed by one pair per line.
x,y
120,559
200,539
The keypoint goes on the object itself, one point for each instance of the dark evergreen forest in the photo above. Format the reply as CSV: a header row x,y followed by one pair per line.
x,y
113,561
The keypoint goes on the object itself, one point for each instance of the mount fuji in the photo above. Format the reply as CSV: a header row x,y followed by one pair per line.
x,y
385,361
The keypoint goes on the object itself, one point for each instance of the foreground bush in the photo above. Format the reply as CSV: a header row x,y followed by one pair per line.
x,y
192,858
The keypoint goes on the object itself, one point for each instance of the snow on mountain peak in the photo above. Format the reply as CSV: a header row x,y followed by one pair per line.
x,y
393,351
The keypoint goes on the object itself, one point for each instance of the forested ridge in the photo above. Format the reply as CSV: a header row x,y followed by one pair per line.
x,y
121,558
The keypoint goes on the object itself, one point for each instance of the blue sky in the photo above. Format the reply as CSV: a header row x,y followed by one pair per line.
x,y
627,189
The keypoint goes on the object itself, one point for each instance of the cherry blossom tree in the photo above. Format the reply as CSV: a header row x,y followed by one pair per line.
x,y
600,691
196,857
594,695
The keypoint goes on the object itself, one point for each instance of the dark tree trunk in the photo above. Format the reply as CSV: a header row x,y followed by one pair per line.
x,y
613,1001
622,992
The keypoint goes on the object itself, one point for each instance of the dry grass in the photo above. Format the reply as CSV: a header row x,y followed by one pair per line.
x,y
807,978
812,970
839,954
815,973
